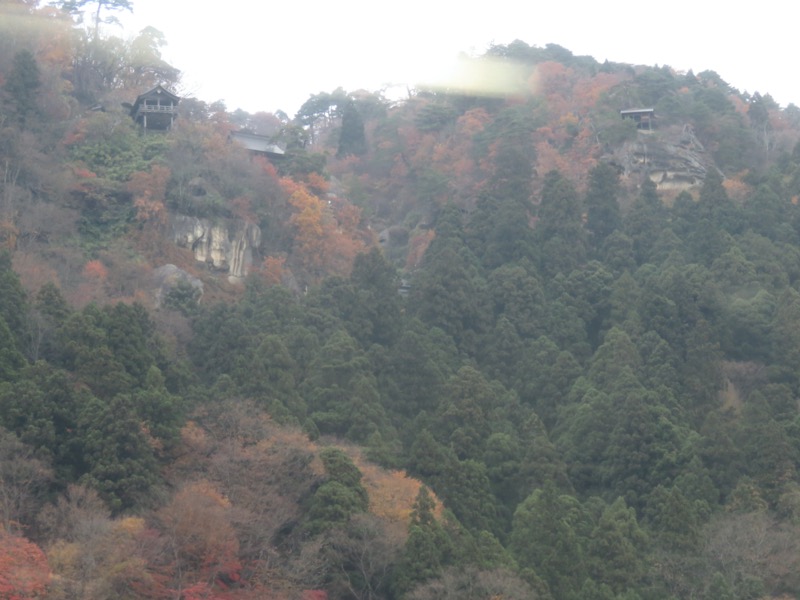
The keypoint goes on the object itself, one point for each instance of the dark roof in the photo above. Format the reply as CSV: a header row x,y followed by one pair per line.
x,y
157,92
256,143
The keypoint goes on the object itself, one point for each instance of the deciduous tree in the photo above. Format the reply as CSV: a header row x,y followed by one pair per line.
x,y
24,573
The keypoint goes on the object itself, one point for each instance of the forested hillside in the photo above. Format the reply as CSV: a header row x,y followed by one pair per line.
x,y
473,344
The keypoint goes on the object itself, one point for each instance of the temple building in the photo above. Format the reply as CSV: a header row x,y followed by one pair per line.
x,y
156,109
644,117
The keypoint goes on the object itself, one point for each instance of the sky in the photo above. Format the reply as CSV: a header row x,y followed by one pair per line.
x,y
269,56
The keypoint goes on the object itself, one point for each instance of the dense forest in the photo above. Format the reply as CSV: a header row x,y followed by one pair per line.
x,y
473,344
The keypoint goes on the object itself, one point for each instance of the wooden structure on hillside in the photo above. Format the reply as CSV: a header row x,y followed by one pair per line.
x,y
156,109
644,117
257,144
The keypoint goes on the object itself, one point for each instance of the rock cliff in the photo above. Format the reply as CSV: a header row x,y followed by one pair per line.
x,y
226,246
673,159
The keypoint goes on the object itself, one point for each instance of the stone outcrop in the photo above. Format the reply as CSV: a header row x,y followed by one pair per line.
x,y
673,159
225,246
167,277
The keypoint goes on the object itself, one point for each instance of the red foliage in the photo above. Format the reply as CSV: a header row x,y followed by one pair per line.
x,y
317,183
96,270
200,548
149,190
24,572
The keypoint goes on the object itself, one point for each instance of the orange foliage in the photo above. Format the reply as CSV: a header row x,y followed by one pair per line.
x,y
317,183
391,493
307,219
266,166
290,186
587,92
473,122
737,189
149,190
555,81
549,158
272,269
24,572
325,240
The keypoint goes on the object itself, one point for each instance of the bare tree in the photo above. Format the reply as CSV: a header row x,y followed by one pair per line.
x,y
363,554
23,482
753,545
472,584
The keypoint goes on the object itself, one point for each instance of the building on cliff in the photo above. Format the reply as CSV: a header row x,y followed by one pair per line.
x,y
156,109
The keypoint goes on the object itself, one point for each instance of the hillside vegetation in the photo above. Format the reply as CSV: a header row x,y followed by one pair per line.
x,y
469,344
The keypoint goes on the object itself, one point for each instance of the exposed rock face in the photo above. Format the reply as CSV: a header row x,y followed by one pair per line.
x,y
672,159
226,246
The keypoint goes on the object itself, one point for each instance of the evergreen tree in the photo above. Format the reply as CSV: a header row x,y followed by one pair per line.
x,y
42,408
560,229
120,462
270,376
617,548
427,548
549,536
13,302
351,138
418,366
499,230
517,295
11,361
341,496
342,393
450,294
602,208
376,302
645,220
22,86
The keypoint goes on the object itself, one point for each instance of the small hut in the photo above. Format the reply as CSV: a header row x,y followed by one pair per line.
x,y
644,117
156,109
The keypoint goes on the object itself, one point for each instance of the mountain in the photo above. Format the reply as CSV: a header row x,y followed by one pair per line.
x,y
531,344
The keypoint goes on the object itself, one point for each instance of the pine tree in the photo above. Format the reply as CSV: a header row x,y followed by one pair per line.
x,y
602,208
22,86
352,140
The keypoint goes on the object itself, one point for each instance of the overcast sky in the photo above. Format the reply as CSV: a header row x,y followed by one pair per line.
x,y
268,56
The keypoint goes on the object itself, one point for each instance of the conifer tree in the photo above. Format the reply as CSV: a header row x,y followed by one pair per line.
x,y
602,207
352,140
22,86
